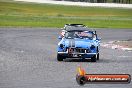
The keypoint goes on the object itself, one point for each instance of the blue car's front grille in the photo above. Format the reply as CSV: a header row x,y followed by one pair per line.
x,y
78,50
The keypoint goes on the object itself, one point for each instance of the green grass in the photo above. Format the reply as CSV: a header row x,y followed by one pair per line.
x,y
16,14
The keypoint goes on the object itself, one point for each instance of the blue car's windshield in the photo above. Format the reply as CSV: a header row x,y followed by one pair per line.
x,y
77,34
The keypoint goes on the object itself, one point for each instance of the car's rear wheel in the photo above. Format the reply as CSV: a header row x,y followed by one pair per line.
x,y
60,57
93,59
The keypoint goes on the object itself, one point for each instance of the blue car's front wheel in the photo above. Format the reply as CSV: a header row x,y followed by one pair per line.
x,y
98,56
93,59
60,57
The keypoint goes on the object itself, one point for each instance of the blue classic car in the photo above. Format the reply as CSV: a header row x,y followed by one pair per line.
x,y
77,41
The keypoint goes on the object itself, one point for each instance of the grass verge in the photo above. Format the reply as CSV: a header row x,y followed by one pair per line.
x,y
21,14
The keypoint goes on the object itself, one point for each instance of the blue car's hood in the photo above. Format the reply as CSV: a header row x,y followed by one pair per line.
x,y
82,43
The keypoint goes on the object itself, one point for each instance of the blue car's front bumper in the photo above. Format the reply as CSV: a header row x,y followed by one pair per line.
x,y
77,55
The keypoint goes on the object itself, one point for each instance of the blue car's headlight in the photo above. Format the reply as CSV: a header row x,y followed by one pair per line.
x,y
61,46
92,47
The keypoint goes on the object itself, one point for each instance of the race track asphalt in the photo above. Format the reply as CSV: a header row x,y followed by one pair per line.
x,y
28,59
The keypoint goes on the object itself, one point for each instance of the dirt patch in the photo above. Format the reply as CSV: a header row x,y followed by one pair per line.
x,y
120,45
124,43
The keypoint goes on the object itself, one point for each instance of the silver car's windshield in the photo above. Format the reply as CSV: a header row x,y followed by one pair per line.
x,y
78,34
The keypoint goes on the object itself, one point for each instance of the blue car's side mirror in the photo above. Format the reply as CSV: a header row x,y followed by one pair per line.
x,y
60,37
98,39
